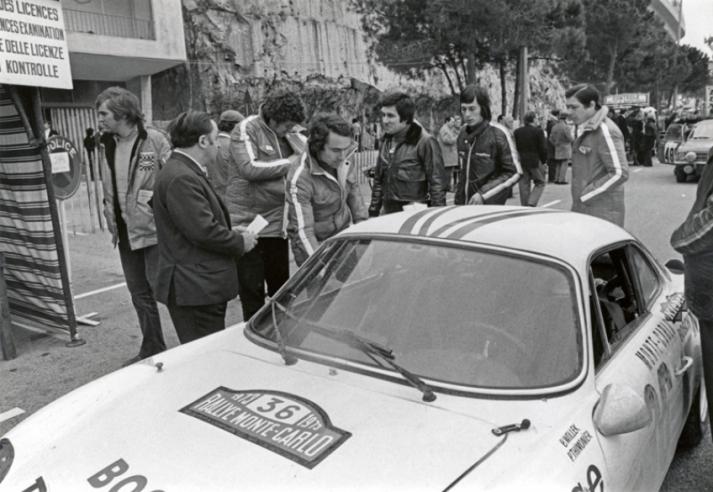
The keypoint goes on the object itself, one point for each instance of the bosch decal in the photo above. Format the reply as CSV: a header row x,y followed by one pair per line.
x,y
108,474
285,424
595,483
652,349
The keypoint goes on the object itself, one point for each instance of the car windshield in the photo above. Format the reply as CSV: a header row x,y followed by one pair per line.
x,y
673,132
461,316
702,130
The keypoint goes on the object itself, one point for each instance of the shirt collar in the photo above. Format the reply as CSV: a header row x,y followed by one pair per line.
x,y
202,168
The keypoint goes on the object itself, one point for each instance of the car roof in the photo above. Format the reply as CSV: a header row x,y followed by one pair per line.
x,y
565,235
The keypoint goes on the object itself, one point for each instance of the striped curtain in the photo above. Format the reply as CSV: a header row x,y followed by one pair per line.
x,y
27,241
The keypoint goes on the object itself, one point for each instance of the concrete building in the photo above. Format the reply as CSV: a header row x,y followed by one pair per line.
x,y
113,42
669,11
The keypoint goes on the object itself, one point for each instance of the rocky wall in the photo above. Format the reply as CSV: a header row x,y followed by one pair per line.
x,y
240,50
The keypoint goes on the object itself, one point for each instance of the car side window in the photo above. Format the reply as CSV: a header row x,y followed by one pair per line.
x,y
613,300
648,279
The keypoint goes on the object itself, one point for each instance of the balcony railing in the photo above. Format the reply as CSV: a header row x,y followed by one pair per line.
x,y
108,25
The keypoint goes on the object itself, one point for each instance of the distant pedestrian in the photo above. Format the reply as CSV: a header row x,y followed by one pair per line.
x,y
90,145
448,140
409,168
599,167
489,163
48,130
648,141
323,193
357,132
133,154
552,120
531,145
636,121
264,147
694,240
219,169
194,232
561,138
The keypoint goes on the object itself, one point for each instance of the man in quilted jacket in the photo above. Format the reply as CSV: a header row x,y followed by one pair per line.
x,y
263,148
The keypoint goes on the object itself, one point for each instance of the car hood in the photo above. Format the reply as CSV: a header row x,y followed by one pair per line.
x,y
176,428
694,145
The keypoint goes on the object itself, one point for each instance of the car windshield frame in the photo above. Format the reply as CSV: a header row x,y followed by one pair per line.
x,y
259,335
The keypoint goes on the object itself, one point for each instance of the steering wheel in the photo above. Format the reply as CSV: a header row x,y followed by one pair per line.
x,y
510,339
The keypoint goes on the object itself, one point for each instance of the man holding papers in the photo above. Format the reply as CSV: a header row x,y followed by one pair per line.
x,y
197,271
322,191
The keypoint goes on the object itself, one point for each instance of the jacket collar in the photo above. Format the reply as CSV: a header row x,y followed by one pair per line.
x,y
413,134
477,129
595,121
188,160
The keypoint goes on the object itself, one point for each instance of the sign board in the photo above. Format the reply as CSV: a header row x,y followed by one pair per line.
x,y
708,109
628,99
33,44
66,167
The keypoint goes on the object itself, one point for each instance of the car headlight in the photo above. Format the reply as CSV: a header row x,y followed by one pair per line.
x,y
691,157
7,455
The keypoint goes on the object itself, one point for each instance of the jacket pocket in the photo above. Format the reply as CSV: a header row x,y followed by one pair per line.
x,y
410,184
209,266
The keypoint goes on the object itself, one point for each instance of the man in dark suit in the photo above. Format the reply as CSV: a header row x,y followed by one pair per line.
x,y
532,145
197,270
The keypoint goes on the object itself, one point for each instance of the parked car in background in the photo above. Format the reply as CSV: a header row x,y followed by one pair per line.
x,y
692,155
669,142
453,348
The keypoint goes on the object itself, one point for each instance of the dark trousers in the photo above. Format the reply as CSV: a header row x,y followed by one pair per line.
x,y
140,271
530,195
706,326
269,263
194,322
551,170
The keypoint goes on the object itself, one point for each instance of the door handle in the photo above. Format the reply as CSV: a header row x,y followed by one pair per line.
x,y
687,363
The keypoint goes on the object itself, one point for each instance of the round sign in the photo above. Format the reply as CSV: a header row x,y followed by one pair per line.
x,y
66,167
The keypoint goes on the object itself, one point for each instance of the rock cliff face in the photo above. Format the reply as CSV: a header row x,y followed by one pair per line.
x,y
239,50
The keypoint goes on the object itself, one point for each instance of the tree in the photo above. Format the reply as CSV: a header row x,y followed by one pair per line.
x,y
460,36
612,29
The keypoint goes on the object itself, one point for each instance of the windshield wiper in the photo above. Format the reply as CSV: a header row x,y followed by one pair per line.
x,y
371,347
289,360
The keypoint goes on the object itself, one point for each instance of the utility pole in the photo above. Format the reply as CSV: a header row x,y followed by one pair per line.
x,y
675,53
524,84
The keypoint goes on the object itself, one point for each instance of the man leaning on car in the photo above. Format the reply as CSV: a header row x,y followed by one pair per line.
x,y
322,191
694,240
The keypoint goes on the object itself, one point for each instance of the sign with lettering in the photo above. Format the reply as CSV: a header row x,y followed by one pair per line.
x,y
33,44
66,167
628,99
286,424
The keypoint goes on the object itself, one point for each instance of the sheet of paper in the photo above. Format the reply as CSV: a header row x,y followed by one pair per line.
x,y
60,162
257,225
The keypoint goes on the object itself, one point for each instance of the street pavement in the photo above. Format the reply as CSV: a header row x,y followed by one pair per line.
x,y
47,369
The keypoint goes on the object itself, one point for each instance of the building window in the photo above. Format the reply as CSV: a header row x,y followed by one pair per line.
x,y
117,18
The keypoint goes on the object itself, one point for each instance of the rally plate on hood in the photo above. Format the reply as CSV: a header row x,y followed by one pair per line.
x,y
286,424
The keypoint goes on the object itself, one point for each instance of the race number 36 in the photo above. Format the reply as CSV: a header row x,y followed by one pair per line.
x,y
279,409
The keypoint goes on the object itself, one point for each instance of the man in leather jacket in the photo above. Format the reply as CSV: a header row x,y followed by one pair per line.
x,y
489,162
410,166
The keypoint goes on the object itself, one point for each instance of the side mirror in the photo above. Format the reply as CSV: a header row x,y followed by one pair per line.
x,y
675,266
620,411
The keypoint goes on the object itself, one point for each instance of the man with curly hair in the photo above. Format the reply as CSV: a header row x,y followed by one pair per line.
x,y
263,148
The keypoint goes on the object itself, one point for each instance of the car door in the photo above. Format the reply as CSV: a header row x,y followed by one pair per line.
x,y
636,348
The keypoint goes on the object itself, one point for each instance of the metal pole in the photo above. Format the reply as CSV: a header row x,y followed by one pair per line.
x,y
675,53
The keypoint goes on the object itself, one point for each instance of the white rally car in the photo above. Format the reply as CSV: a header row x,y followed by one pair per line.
x,y
456,348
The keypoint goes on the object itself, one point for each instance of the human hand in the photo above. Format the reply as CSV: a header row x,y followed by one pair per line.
x,y
294,159
476,199
249,241
239,228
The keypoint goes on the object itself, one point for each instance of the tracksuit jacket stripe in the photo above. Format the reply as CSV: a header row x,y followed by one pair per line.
x,y
510,182
298,207
245,137
618,173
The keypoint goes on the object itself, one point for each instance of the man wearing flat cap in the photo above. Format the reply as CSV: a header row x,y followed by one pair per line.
x,y
218,171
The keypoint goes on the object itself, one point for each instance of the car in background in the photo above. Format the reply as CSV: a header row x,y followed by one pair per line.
x,y
692,155
452,348
670,141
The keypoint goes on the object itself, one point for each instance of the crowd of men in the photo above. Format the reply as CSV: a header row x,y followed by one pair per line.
x,y
211,214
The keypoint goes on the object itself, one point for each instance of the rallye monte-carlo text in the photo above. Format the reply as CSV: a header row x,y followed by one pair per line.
x,y
455,348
